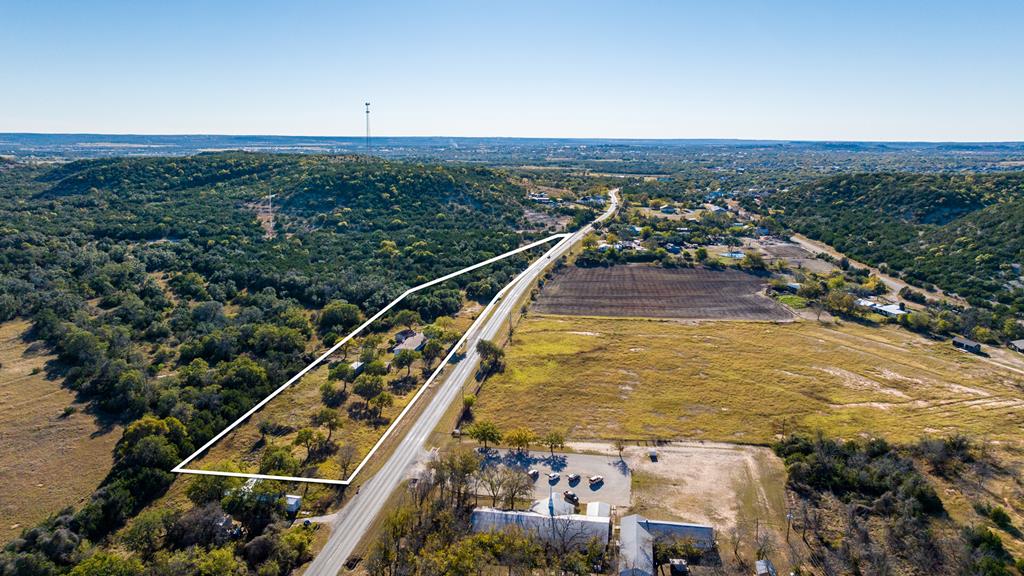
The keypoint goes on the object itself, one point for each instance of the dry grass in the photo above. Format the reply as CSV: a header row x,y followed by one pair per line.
x,y
47,461
296,408
742,381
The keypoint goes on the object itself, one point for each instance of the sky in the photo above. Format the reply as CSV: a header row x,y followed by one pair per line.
x,y
814,70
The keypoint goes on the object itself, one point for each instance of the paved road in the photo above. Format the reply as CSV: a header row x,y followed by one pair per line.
x,y
352,521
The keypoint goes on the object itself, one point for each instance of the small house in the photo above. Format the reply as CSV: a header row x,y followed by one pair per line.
x,y
292,503
967,344
1017,345
667,209
409,340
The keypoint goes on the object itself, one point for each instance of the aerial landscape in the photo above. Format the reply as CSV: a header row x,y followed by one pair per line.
x,y
395,289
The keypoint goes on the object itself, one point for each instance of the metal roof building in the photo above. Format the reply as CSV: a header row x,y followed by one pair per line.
x,y
636,541
570,530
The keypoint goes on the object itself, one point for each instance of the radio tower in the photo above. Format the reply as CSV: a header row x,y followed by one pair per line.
x,y
367,127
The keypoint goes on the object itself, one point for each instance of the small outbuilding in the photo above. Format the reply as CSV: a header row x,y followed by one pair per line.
x,y
599,509
1017,345
765,568
292,503
967,344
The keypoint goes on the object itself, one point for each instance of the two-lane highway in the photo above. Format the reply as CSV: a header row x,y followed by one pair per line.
x,y
355,518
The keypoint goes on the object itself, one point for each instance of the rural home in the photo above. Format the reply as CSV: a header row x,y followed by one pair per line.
x,y
409,340
1017,345
966,344
890,310
636,541
667,209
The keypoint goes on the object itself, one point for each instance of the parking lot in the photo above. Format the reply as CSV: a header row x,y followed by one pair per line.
x,y
615,489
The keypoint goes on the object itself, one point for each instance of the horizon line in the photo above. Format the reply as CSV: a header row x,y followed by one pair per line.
x,y
538,138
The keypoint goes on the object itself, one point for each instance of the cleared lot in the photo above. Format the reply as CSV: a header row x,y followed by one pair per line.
x,y
615,489
639,290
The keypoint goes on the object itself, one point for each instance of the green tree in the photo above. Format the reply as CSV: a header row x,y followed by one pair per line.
x,y
485,432
520,438
145,535
108,564
204,488
405,359
330,419
553,440
407,318
382,401
341,316
432,350
367,386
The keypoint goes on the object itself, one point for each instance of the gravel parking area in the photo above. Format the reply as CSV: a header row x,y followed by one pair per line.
x,y
615,489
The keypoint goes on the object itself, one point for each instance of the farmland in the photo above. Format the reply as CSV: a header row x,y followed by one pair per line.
x,y
648,291
745,382
47,460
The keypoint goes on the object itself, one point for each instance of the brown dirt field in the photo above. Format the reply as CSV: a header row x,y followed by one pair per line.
x,y
46,462
642,291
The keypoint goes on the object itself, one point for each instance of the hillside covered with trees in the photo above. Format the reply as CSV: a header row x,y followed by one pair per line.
x,y
961,233
173,309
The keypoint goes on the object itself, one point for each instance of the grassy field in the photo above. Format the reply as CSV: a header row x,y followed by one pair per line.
x,y
602,378
47,461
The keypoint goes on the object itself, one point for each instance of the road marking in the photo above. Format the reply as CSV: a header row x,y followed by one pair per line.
x,y
181,469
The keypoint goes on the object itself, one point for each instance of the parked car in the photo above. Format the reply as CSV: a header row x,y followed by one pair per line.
x,y
554,476
533,473
573,478
571,497
595,480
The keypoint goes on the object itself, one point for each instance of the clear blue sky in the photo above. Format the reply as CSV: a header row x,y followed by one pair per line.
x,y
864,70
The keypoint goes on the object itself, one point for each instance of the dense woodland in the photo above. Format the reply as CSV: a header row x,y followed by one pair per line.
x,y
172,311
868,507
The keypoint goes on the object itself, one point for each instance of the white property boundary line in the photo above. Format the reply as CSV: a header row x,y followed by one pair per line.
x,y
180,468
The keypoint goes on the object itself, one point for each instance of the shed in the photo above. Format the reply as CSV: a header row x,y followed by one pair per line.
x,y
599,509
357,368
966,344
765,568
1017,345
292,503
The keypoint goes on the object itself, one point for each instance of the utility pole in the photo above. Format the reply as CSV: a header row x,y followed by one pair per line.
x,y
367,127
